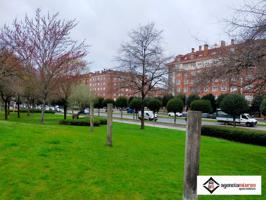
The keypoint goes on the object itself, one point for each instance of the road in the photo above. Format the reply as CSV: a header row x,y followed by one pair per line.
x,y
169,122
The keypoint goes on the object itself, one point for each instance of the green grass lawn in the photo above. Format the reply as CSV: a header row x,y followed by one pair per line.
x,y
53,161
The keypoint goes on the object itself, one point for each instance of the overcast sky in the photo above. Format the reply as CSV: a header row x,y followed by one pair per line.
x,y
104,24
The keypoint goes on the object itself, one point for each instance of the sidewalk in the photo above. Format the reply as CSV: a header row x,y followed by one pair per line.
x,y
152,124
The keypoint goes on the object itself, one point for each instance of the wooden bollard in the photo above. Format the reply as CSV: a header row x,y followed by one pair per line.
x,y
109,124
91,117
192,154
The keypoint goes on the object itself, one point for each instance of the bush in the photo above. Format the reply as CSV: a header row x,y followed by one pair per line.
x,y
154,105
175,105
234,104
201,105
106,101
36,111
192,98
220,99
211,98
135,104
263,107
236,134
84,122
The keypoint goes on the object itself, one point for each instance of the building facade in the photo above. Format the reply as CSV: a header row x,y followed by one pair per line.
x,y
111,84
184,71
107,84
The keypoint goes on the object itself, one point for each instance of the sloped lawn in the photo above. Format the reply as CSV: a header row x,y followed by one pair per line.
x,y
53,161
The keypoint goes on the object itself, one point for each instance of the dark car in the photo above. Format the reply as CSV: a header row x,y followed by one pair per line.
x,y
129,110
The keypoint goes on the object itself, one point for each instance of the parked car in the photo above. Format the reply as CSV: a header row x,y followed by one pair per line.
x,y
184,114
178,114
84,111
148,115
244,119
129,110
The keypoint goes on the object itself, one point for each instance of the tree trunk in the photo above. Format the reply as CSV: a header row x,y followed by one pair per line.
x,y
98,111
6,111
175,118
91,117
234,121
142,117
18,103
65,111
109,140
28,106
42,114
8,107
121,113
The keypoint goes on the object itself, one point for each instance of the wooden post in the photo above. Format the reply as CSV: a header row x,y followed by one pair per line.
x,y
91,117
192,153
109,124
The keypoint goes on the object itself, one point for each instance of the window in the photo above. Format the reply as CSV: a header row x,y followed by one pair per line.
x,y
234,88
214,88
223,88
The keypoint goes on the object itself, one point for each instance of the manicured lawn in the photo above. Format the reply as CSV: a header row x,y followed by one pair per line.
x,y
53,161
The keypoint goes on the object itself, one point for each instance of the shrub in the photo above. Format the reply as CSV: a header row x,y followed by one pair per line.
x,y
135,104
192,98
211,98
121,103
106,101
175,105
84,122
201,105
236,134
234,104
166,98
263,107
36,111
154,105
220,99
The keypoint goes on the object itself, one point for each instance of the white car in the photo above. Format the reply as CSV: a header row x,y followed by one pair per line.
x,y
244,119
148,115
178,114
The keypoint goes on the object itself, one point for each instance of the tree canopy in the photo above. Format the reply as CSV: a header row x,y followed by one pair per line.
x,y
201,105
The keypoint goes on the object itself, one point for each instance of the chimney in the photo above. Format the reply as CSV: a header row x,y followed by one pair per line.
x,y
205,50
192,50
200,48
222,43
232,41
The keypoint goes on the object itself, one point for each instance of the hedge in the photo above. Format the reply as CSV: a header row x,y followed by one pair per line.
x,y
236,134
84,122
34,111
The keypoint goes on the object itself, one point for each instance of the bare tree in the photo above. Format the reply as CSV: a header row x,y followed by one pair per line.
x,y
10,74
43,42
243,64
66,83
143,59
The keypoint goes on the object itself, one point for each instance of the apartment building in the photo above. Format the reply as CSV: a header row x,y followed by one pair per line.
x,y
111,84
184,71
107,84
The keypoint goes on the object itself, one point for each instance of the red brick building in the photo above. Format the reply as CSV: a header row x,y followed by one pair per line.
x,y
184,69
110,84
107,84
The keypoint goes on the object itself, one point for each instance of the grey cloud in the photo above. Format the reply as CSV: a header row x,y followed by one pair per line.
x,y
105,23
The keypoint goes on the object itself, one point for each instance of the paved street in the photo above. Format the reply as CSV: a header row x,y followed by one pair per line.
x,y
168,122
